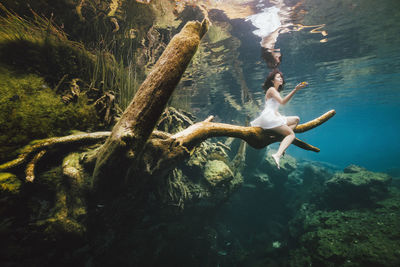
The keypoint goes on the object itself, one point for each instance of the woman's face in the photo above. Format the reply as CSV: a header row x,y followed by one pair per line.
x,y
278,80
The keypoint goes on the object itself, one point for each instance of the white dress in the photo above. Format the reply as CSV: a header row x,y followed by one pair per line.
x,y
269,117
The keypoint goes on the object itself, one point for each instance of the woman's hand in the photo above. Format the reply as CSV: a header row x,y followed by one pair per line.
x,y
301,85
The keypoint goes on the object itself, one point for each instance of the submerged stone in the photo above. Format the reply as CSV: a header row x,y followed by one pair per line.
x,y
278,176
217,172
29,110
356,185
354,237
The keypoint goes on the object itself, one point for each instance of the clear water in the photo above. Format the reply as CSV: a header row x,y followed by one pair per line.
x,y
355,70
351,61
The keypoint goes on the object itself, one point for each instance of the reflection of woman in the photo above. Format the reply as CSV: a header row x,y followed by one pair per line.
x,y
269,53
271,119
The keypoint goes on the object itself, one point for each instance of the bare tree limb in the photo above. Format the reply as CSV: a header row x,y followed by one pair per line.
x,y
129,135
315,122
254,136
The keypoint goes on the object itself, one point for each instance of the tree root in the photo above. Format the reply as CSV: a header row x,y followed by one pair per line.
x,y
36,150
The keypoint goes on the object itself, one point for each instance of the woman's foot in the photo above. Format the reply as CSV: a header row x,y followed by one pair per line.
x,y
276,159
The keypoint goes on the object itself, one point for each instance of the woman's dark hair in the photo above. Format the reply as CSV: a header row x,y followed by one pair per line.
x,y
269,82
271,58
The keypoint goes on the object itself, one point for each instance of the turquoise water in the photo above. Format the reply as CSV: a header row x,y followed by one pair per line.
x,y
349,53
357,73
355,70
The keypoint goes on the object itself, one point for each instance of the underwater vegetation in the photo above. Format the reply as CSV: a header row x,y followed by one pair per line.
x,y
363,230
43,72
166,196
40,47
31,110
309,210
356,237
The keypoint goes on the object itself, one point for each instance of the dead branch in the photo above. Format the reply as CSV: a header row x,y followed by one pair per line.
x,y
129,135
254,136
315,122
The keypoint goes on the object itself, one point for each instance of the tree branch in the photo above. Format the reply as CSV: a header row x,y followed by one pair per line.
x,y
315,122
130,134
254,136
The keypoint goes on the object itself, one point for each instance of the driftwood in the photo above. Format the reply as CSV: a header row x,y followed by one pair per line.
x,y
182,142
133,147
129,135
254,136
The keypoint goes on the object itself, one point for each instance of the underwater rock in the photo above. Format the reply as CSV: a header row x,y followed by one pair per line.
x,y
313,173
366,237
262,178
36,112
217,172
278,176
356,185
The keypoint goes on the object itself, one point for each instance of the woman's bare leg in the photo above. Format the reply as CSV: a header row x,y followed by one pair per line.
x,y
286,131
292,121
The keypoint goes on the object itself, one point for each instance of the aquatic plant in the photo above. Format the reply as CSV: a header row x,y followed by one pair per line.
x,y
41,47
38,46
29,110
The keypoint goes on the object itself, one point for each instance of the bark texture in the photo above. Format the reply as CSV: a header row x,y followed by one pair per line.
x,y
254,136
129,135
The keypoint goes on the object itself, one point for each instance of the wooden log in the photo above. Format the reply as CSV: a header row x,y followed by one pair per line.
x,y
254,136
130,134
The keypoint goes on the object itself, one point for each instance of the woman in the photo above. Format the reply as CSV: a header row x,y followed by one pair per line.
x,y
270,117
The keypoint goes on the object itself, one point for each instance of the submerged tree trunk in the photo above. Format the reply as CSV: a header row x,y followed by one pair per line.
x,y
129,135
133,149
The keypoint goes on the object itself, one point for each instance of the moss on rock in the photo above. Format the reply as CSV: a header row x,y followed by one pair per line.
x,y
217,172
367,237
9,184
356,186
29,110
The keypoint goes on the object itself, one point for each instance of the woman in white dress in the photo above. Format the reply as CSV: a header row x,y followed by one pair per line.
x,y
271,119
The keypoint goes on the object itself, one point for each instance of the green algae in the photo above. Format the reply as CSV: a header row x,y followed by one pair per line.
x,y
9,183
355,186
37,45
29,110
218,33
42,213
217,172
357,237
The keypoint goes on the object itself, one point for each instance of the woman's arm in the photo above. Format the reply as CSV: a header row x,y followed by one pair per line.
x,y
275,94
